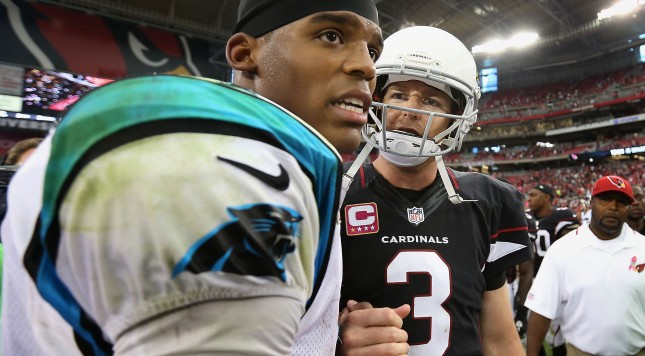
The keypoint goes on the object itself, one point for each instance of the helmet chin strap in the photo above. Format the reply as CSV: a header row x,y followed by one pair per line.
x,y
447,183
397,159
348,177
403,143
403,161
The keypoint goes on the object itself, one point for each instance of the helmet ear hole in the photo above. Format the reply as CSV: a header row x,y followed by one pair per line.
x,y
379,91
461,99
457,109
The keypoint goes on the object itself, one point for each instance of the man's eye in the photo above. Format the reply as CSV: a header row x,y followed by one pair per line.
x,y
331,36
374,54
430,102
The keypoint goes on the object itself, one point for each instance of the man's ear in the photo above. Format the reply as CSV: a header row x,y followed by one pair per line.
x,y
239,52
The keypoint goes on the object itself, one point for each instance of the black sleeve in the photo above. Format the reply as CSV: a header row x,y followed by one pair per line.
x,y
495,281
510,240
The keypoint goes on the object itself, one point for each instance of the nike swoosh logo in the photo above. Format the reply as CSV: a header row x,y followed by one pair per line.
x,y
279,182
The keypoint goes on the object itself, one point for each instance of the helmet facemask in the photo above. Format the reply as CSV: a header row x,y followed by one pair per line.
x,y
406,149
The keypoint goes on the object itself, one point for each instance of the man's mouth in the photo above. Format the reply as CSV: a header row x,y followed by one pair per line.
x,y
612,218
351,104
635,211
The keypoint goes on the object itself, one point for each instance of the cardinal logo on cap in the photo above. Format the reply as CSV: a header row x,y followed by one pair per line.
x,y
617,182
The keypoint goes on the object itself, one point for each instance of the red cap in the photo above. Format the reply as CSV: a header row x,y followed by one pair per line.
x,y
613,184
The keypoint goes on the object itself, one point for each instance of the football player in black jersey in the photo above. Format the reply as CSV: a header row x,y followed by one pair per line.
x,y
416,233
520,279
553,223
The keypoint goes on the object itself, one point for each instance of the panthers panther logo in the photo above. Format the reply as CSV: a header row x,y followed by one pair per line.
x,y
255,242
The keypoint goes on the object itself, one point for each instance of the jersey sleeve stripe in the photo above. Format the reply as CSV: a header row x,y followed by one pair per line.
x,y
512,229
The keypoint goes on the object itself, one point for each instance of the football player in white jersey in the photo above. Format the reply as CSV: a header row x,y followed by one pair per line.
x,y
175,215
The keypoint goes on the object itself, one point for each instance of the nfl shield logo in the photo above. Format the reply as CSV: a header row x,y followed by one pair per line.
x,y
415,215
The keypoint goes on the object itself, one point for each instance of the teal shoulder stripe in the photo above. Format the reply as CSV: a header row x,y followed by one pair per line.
x,y
129,102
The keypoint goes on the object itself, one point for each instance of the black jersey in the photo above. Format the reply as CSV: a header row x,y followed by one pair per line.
x,y
436,256
511,272
551,228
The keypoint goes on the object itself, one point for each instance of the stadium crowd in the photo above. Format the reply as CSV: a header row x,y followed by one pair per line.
x,y
548,98
573,184
46,91
534,150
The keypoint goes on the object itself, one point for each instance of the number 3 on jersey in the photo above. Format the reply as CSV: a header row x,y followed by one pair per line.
x,y
426,306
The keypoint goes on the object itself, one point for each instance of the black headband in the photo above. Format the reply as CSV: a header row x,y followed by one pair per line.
x,y
258,17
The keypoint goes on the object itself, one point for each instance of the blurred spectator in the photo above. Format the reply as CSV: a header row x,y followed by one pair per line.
x,y
19,153
16,156
637,211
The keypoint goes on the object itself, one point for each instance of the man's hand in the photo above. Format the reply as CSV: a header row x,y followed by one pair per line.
x,y
520,320
365,330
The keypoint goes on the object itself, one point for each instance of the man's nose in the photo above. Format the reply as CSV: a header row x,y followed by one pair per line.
x,y
360,64
413,103
614,203
416,102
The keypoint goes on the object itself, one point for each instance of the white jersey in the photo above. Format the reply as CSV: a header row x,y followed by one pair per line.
x,y
188,216
597,289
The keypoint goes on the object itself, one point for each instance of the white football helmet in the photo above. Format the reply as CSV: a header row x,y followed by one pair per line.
x,y
439,59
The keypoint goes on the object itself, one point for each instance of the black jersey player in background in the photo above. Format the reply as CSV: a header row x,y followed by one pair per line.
x,y
553,223
416,233
520,279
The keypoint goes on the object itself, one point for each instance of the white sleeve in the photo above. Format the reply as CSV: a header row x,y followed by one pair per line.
x,y
544,295
134,219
